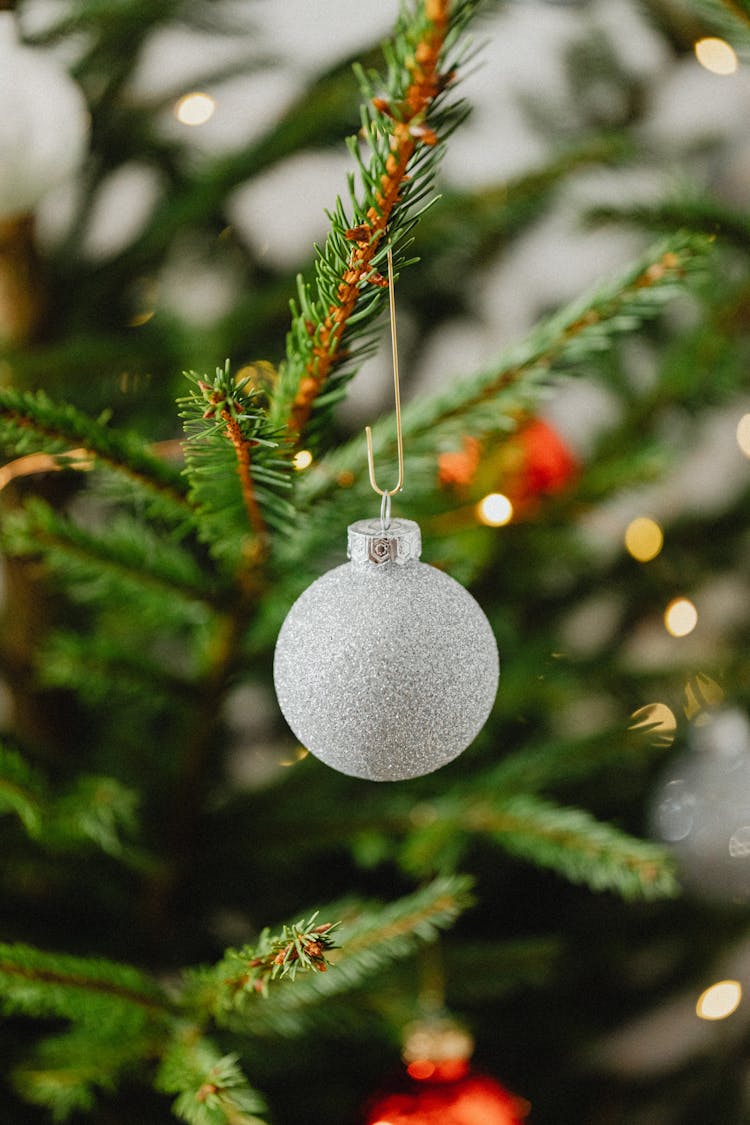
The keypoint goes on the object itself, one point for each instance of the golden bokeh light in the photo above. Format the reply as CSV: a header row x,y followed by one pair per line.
x,y
716,55
643,539
680,617
702,694
720,1000
743,434
302,460
297,755
195,109
495,510
658,721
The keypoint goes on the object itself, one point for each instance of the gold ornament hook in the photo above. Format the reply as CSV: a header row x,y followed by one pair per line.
x,y
386,493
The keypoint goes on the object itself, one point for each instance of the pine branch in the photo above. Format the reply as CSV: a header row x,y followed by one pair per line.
x,y
246,973
567,761
704,216
95,665
124,558
485,403
404,135
571,842
494,401
113,998
110,666
238,470
22,790
66,1072
211,1089
731,17
369,940
96,810
32,423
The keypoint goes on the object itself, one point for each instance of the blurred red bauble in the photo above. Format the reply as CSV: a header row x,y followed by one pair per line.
x,y
532,463
446,1093
548,464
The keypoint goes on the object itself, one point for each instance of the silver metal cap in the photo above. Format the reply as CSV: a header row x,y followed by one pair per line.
x,y
370,544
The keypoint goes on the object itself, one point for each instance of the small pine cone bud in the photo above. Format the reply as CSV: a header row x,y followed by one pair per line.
x,y
423,133
358,234
307,387
205,1092
382,105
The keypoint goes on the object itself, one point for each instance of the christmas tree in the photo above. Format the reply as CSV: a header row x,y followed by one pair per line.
x,y
200,919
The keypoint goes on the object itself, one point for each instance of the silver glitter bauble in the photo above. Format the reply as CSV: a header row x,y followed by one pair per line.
x,y
702,809
385,667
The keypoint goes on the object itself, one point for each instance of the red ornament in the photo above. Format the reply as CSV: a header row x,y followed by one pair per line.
x,y
548,464
533,463
446,1093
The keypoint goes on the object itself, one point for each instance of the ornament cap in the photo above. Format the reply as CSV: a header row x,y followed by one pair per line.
x,y
369,543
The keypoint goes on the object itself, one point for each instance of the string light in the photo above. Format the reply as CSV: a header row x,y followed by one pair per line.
x,y
743,434
302,460
297,755
659,720
716,55
141,318
720,1000
680,617
495,510
643,539
195,109
701,695
421,1069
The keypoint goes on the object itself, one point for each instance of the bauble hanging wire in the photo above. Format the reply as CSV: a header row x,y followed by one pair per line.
x,y
385,667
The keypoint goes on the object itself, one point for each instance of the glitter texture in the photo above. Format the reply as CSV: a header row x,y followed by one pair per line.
x,y
386,670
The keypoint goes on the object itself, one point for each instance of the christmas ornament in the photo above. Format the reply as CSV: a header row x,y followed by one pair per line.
x,y
386,668
44,124
548,464
702,808
439,1088
532,463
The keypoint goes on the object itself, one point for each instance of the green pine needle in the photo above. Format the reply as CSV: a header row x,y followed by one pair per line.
x,y
120,559
68,1071
577,846
113,998
211,1088
370,939
93,810
33,423
490,402
237,463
